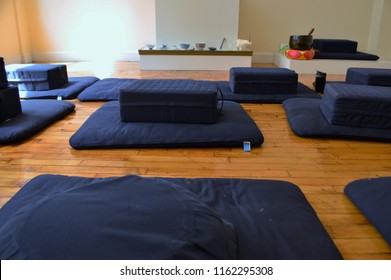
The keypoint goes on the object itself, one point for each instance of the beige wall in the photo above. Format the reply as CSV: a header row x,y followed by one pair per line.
x,y
59,30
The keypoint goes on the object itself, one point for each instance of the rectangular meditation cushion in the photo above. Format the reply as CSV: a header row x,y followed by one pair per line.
x,y
248,80
37,77
169,101
357,105
369,76
335,45
3,75
9,103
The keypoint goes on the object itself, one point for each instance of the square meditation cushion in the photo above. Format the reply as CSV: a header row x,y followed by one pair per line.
x,y
169,101
37,77
247,80
9,103
335,45
3,75
357,105
369,76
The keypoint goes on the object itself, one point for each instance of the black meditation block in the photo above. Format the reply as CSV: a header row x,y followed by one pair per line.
x,y
3,75
9,103
37,77
357,105
247,80
169,101
369,76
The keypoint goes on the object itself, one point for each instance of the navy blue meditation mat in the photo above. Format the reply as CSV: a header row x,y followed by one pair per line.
x,y
71,90
302,91
307,120
104,90
346,56
104,129
131,217
36,115
373,197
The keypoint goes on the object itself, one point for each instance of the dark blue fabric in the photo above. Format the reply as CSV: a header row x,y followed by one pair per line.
x,y
69,91
37,77
3,74
357,105
373,197
307,120
36,115
301,91
104,129
346,56
369,76
252,80
104,90
335,45
169,101
9,103
55,216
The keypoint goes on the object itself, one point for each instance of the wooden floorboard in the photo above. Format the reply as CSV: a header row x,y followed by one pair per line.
x,y
320,167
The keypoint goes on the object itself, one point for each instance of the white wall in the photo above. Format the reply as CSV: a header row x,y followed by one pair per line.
x,y
189,21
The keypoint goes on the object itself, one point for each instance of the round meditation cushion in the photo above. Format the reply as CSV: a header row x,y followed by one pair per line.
x,y
302,55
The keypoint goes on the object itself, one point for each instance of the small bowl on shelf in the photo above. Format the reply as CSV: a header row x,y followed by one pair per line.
x,y
200,46
150,46
212,48
184,46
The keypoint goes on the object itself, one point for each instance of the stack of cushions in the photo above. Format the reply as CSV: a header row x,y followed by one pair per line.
x,y
169,101
369,76
9,97
58,217
37,77
339,49
346,111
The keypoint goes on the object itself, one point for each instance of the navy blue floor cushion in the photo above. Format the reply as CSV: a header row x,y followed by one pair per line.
x,y
104,90
104,129
368,76
3,75
302,91
71,90
373,197
36,115
31,77
131,217
307,120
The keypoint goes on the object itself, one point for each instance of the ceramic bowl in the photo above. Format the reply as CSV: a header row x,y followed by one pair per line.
x,y
200,46
184,46
150,46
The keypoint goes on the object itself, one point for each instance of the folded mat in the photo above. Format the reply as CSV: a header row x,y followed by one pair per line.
x,y
35,116
373,197
104,129
302,91
70,91
307,120
104,90
131,217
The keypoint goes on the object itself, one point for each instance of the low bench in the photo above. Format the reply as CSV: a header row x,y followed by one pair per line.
x,y
169,101
37,77
369,76
251,80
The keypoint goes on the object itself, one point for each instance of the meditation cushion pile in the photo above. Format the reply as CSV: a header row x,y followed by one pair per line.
x,y
37,77
251,80
169,101
357,105
131,217
369,76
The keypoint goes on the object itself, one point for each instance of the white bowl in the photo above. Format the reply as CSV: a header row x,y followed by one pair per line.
x,y
200,46
150,46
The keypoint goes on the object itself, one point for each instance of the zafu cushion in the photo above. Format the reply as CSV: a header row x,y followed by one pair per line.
x,y
9,103
3,74
169,101
369,76
357,105
248,80
37,76
300,55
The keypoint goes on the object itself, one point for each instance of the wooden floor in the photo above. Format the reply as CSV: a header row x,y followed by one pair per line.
x,y
321,168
